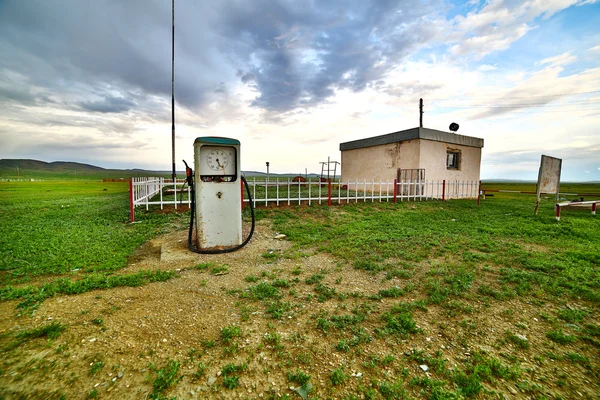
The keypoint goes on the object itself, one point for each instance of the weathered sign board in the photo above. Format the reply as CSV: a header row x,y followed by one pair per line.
x,y
548,178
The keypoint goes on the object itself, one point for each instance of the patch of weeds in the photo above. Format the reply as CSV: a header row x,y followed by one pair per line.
x,y
245,312
324,292
342,346
251,278
96,364
231,349
316,278
203,266
50,331
578,358
436,291
231,369
393,390
359,336
219,270
398,273
337,376
208,344
560,337
271,255
281,283
486,368
435,387
273,339
200,371
392,292
296,271
368,265
261,291
572,315
165,378
93,394
276,309
401,324
231,382
469,385
98,321
231,332
33,296
346,320
299,377
376,361
268,275
592,330
518,340
455,307
487,290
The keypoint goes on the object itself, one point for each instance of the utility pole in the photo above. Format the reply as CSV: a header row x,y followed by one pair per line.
x,y
173,86
267,172
420,113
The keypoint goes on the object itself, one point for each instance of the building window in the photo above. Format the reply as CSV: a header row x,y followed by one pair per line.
x,y
452,159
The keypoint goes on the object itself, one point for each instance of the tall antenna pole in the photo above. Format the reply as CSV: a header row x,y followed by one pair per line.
x,y
173,85
421,113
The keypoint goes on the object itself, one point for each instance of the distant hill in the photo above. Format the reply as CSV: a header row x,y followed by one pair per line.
x,y
24,168
7,163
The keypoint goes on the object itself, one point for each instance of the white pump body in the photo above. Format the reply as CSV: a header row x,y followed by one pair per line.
x,y
218,192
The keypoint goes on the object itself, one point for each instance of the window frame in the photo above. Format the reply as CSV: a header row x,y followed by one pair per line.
x,y
457,159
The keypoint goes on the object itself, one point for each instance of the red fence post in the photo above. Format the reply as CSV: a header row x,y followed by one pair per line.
x,y
329,193
444,190
594,208
557,207
395,190
131,208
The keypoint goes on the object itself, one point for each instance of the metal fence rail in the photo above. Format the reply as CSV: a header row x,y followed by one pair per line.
x,y
152,191
338,192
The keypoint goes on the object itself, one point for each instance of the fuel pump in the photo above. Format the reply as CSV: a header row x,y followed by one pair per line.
x,y
216,198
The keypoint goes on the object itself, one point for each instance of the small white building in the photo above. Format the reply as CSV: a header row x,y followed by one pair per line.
x,y
415,154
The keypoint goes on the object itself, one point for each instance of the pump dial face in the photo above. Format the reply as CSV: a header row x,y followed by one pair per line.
x,y
217,160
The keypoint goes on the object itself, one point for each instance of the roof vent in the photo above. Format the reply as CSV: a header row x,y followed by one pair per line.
x,y
454,127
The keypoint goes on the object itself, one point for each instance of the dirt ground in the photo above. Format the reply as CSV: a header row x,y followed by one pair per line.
x,y
129,332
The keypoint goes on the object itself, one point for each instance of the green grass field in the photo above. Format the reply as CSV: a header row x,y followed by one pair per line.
x,y
514,296
67,230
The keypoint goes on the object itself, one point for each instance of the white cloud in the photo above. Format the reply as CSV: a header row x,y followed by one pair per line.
x,y
499,24
486,67
561,59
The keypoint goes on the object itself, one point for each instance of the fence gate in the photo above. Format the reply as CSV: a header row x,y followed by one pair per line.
x,y
411,181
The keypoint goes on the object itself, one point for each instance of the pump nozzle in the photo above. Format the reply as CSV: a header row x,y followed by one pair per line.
x,y
189,175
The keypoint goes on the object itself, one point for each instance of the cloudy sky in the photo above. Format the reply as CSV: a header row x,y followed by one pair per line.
x,y
90,81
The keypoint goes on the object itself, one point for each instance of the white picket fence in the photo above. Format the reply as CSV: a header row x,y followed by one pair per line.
x,y
150,191
153,191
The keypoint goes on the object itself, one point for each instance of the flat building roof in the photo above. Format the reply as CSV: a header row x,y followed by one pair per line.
x,y
410,134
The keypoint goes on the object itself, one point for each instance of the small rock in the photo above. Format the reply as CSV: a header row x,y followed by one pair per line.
x,y
164,340
512,390
218,373
92,340
280,236
211,380
424,367
521,337
120,374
